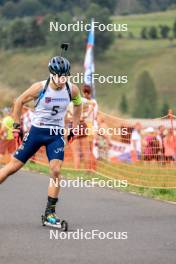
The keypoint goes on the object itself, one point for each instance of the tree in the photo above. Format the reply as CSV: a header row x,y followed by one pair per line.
x,y
9,10
34,35
22,33
174,29
54,38
119,35
103,38
130,35
155,5
163,5
164,31
2,2
16,34
109,4
2,37
165,108
30,8
119,6
145,5
123,104
172,7
153,34
144,34
146,97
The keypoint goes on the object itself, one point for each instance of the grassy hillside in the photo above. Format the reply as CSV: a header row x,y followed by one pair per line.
x,y
136,22
126,57
134,56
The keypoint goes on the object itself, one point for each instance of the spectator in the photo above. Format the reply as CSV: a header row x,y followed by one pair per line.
x,y
82,146
136,143
170,146
160,137
151,145
8,145
103,141
90,107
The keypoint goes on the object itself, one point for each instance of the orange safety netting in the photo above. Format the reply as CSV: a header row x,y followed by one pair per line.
x,y
141,151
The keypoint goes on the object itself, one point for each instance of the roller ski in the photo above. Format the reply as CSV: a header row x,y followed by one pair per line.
x,y
52,220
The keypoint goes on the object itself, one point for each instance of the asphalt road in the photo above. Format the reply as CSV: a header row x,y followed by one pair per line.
x,y
150,225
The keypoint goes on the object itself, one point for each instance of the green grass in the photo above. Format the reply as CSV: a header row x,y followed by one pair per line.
x,y
136,22
151,175
162,194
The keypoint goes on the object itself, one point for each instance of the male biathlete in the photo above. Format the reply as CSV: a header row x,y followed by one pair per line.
x,y
51,99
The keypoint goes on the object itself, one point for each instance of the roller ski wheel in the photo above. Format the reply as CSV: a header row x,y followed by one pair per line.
x,y
63,225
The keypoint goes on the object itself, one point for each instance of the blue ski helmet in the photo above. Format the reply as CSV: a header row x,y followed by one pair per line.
x,y
59,65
